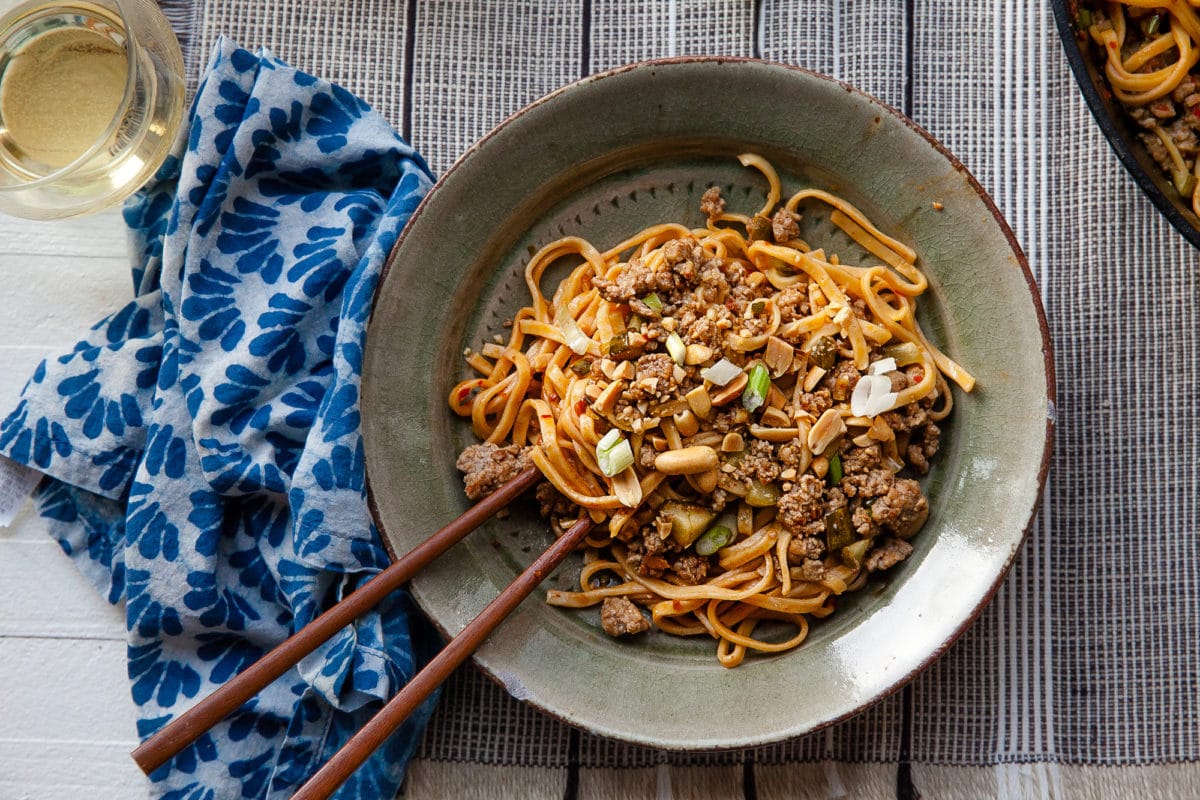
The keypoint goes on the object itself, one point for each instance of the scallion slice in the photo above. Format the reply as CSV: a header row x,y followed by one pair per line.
x,y
652,300
755,393
835,469
882,366
713,540
676,348
574,337
721,372
613,453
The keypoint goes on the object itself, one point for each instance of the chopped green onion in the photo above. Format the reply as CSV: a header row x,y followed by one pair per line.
x,y
713,540
763,495
838,533
617,344
835,469
574,337
823,352
1150,26
759,228
582,367
852,555
652,300
882,367
905,353
676,348
635,322
722,372
783,267
755,393
1185,182
613,454
1084,18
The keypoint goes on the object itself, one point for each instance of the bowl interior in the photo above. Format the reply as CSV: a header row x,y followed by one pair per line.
x,y
603,159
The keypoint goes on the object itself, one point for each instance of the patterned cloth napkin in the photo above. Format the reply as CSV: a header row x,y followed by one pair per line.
x,y
202,444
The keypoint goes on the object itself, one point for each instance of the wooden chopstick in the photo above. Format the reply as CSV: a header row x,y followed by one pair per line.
x,y
327,779
193,723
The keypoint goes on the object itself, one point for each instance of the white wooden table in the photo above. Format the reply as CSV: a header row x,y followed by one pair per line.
x,y
66,717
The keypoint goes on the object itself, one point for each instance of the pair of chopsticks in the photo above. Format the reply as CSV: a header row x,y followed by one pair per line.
x,y
189,726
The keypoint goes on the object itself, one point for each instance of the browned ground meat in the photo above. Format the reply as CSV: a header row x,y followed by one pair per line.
x,y
655,375
487,467
842,380
620,617
903,509
812,570
864,524
690,569
553,503
711,203
801,505
791,454
793,304
887,554
923,447
636,280
805,547
756,462
816,403
646,456
784,226
868,484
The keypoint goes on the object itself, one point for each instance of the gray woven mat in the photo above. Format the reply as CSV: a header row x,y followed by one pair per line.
x,y
1089,653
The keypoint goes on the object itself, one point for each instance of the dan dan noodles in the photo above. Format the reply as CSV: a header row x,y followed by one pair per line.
x,y
743,412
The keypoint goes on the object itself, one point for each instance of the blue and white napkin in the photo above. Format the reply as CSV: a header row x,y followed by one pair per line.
x,y
202,444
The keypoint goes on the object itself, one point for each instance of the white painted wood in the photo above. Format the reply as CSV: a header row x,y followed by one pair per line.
x,y
45,596
66,719
69,770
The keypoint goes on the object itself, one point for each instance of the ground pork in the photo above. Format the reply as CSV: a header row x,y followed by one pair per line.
x,y
816,403
620,617
756,462
923,446
806,547
887,554
487,467
841,381
552,503
690,569
784,226
801,505
712,205
903,509
636,280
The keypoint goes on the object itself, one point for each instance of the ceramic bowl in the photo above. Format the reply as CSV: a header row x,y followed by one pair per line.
x,y
603,158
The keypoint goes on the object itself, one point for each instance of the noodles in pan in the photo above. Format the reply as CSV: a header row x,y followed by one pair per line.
x,y
741,409
1150,49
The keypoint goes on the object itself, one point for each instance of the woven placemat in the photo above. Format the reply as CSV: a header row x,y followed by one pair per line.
x,y
1088,654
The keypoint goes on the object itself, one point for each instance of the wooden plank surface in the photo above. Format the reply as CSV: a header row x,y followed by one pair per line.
x,y
63,687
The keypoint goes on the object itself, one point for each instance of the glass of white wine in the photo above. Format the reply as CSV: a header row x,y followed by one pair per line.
x,y
91,98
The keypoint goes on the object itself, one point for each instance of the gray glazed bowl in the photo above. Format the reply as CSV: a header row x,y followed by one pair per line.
x,y
603,158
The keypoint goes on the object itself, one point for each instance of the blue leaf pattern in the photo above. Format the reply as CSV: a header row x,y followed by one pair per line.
x,y
202,443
